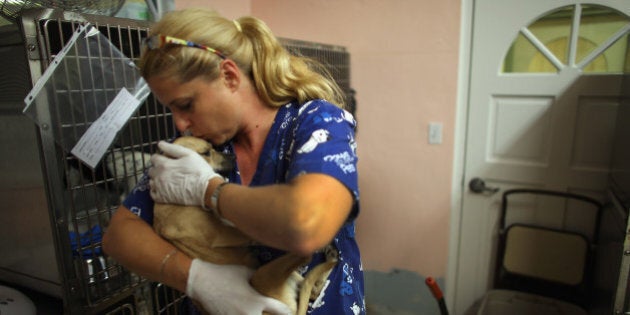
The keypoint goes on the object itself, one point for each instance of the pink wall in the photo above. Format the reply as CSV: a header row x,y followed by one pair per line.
x,y
404,57
229,8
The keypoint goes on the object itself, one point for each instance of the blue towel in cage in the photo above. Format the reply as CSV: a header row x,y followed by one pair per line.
x,y
87,244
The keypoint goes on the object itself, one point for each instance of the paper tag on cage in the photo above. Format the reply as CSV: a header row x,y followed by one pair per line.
x,y
90,84
93,145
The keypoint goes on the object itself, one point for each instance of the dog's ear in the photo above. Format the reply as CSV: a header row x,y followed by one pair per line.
x,y
196,144
220,162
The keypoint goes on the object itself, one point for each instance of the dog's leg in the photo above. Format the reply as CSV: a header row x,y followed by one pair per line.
x,y
315,280
279,280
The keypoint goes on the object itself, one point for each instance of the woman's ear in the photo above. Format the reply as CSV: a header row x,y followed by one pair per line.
x,y
231,74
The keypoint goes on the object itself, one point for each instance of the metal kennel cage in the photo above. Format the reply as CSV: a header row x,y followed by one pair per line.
x,y
55,208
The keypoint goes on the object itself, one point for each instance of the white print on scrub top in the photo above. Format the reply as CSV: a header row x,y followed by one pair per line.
x,y
345,115
344,160
136,210
318,136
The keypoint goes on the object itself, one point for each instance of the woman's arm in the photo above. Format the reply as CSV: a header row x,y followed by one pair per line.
x,y
133,243
301,216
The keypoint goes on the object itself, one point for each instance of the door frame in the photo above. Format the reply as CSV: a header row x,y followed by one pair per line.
x,y
459,155
458,186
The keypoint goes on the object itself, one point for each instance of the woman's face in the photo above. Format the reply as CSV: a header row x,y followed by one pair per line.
x,y
204,108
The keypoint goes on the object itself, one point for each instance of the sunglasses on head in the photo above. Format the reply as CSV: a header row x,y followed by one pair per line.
x,y
159,41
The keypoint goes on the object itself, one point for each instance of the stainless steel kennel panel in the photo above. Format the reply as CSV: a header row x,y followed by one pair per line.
x,y
55,208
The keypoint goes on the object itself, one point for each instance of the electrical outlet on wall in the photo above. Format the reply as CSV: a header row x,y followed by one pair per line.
x,y
435,133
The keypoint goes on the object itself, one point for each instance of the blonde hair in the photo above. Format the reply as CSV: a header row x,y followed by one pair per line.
x,y
279,76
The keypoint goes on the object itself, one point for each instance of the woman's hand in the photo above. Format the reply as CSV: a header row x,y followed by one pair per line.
x,y
179,176
225,290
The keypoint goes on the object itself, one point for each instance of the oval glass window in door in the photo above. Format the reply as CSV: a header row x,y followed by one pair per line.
x,y
591,38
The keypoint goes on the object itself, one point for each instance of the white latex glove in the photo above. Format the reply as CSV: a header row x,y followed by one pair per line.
x,y
179,176
225,290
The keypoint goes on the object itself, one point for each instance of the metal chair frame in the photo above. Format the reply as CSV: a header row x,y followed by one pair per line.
x,y
578,293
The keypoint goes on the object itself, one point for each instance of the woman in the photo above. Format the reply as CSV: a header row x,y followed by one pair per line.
x,y
294,187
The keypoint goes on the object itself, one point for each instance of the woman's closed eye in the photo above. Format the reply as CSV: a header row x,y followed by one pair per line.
x,y
182,106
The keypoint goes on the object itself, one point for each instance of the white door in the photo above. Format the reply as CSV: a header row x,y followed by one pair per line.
x,y
544,77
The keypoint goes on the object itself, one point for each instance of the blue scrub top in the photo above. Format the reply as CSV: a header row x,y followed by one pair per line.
x,y
315,137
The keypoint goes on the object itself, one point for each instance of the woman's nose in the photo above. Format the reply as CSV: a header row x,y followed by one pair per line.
x,y
182,123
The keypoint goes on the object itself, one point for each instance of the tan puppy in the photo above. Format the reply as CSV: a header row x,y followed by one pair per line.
x,y
199,234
